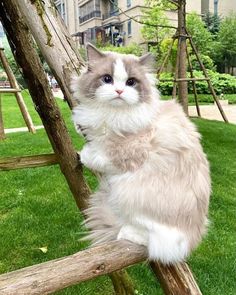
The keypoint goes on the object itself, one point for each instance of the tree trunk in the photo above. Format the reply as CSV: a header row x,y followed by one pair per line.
x,y
54,42
183,85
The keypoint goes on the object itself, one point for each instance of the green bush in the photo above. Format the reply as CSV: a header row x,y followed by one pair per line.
x,y
131,49
222,83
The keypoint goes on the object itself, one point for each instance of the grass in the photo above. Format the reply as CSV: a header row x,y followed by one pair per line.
x,y
37,210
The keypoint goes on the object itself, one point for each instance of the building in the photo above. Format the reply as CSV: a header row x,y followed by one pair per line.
x,y
110,21
117,21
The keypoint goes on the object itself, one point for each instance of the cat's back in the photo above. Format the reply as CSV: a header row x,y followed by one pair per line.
x,y
173,128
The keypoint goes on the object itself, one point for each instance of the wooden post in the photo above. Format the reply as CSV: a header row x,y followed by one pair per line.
x,y
54,41
208,81
19,97
26,56
182,85
193,83
2,133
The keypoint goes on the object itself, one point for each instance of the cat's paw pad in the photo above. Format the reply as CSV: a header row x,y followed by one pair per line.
x,y
130,233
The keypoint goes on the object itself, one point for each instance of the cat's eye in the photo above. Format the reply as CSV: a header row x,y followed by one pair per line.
x,y
131,82
107,79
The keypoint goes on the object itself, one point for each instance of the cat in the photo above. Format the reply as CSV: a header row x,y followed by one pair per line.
x,y
154,176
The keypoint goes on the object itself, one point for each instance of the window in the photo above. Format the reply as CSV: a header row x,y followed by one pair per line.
x,y
129,28
114,7
60,5
89,10
128,3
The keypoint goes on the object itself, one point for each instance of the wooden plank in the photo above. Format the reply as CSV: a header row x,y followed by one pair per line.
x,y
27,162
54,275
9,90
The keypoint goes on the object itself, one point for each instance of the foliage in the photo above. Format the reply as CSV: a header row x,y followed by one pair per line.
x,y
202,38
227,37
206,60
153,16
212,22
222,83
164,47
131,49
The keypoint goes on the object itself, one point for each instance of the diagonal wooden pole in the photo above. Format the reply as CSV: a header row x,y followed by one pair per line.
x,y
193,84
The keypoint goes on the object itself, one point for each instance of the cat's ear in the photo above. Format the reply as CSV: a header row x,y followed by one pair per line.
x,y
147,60
93,53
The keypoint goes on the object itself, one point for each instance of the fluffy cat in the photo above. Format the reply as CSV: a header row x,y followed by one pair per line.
x,y
154,176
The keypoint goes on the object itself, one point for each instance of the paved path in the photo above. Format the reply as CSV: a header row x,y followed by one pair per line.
x,y
211,112
21,129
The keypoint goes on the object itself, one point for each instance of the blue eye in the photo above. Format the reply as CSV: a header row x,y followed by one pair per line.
x,y
107,79
131,82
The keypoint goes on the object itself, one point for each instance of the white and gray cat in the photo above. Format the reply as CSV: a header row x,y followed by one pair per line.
x,y
154,176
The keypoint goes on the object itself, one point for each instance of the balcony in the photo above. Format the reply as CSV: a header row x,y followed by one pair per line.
x,y
92,14
111,17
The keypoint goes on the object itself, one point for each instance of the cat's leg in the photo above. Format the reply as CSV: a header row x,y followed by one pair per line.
x,y
94,157
165,243
131,233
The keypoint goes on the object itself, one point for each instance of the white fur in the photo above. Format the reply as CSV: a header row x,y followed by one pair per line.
x,y
167,244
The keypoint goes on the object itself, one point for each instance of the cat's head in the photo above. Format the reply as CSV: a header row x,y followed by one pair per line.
x,y
116,79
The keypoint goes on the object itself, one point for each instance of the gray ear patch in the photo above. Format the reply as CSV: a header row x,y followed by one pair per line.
x,y
148,60
93,53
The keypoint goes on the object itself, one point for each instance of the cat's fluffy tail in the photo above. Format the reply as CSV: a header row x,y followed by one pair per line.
x,y
100,220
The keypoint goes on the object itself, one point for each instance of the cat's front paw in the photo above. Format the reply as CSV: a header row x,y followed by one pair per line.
x,y
133,234
94,158
85,156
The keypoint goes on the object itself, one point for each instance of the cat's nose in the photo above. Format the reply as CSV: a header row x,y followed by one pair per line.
x,y
119,91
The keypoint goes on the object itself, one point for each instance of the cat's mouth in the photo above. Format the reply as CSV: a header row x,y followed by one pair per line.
x,y
118,98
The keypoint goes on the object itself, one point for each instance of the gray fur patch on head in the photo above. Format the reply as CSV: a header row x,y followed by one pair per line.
x,y
102,63
136,70
91,79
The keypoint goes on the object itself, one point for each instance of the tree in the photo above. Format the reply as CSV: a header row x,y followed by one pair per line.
x,y
202,38
156,24
227,38
212,23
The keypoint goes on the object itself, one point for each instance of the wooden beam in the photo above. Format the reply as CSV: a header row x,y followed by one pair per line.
x,y
27,162
9,90
54,275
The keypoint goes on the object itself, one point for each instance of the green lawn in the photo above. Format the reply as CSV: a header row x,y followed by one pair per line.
x,y
37,210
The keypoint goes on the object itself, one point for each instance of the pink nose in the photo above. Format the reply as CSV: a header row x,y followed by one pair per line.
x,y
119,91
